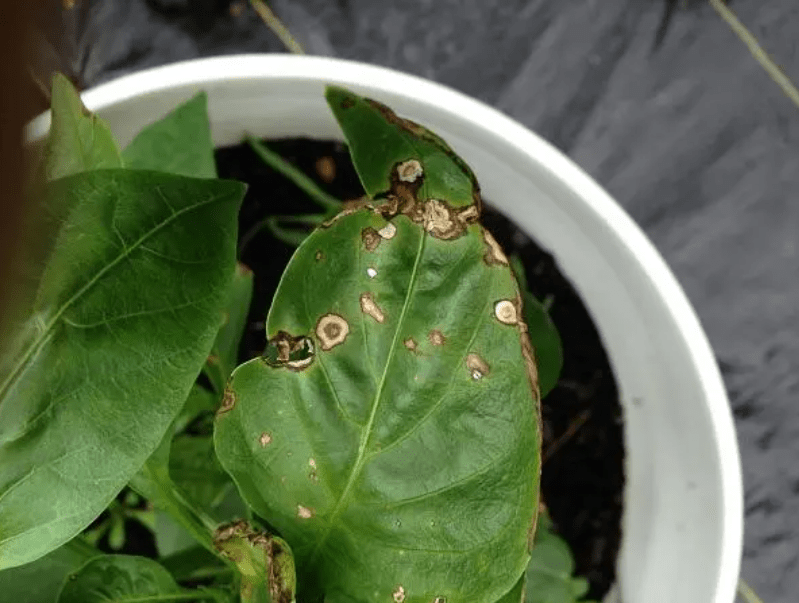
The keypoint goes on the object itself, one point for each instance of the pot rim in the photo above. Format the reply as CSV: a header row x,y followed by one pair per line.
x,y
205,71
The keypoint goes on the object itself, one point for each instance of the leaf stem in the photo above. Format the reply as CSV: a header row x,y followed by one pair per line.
x,y
276,25
762,57
276,162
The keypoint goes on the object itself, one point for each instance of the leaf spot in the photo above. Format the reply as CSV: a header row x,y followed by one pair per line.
x,y
312,463
410,344
436,337
505,311
494,253
293,353
368,306
440,600
371,238
228,401
388,231
409,171
265,439
371,272
477,366
331,330
399,595
319,256
304,512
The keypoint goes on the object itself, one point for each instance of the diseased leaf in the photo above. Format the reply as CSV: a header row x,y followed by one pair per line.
x,y
78,141
390,430
370,126
544,334
127,311
119,578
550,576
41,580
179,143
264,563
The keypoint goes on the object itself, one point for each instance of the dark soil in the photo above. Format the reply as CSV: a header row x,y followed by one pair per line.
x,y
583,473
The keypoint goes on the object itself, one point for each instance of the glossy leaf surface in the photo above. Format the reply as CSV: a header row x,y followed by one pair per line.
x,y
180,143
78,140
128,308
121,579
390,430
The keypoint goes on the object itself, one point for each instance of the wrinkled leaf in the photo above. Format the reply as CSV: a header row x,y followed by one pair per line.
x,y
180,143
128,308
78,140
550,575
544,334
119,579
390,430
41,580
264,563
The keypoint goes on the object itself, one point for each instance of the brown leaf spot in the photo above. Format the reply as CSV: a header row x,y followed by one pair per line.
x,y
286,351
228,401
331,330
371,238
436,337
312,463
478,368
399,595
319,256
265,439
493,254
409,171
304,512
505,311
410,344
368,306
440,600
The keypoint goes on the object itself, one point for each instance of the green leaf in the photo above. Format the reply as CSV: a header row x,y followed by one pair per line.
x,y
410,448
195,563
224,354
199,401
516,594
264,562
120,579
79,141
41,580
179,143
550,573
127,311
544,334
369,125
195,469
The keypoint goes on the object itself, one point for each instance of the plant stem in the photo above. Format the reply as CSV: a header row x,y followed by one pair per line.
x,y
276,25
277,163
762,57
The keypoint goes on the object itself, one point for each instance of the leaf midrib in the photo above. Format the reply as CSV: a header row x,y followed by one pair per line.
x,y
46,332
366,433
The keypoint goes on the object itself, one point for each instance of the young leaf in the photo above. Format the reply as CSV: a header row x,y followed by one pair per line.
x,y
119,578
550,573
41,580
127,311
264,562
78,141
390,430
544,334
179,143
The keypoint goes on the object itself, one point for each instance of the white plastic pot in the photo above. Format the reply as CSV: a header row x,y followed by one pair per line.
x,y
682,526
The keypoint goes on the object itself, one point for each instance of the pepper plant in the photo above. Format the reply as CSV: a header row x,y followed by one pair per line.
x,y
385,446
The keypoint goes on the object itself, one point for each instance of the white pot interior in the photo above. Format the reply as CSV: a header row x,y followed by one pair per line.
x,y
682,526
